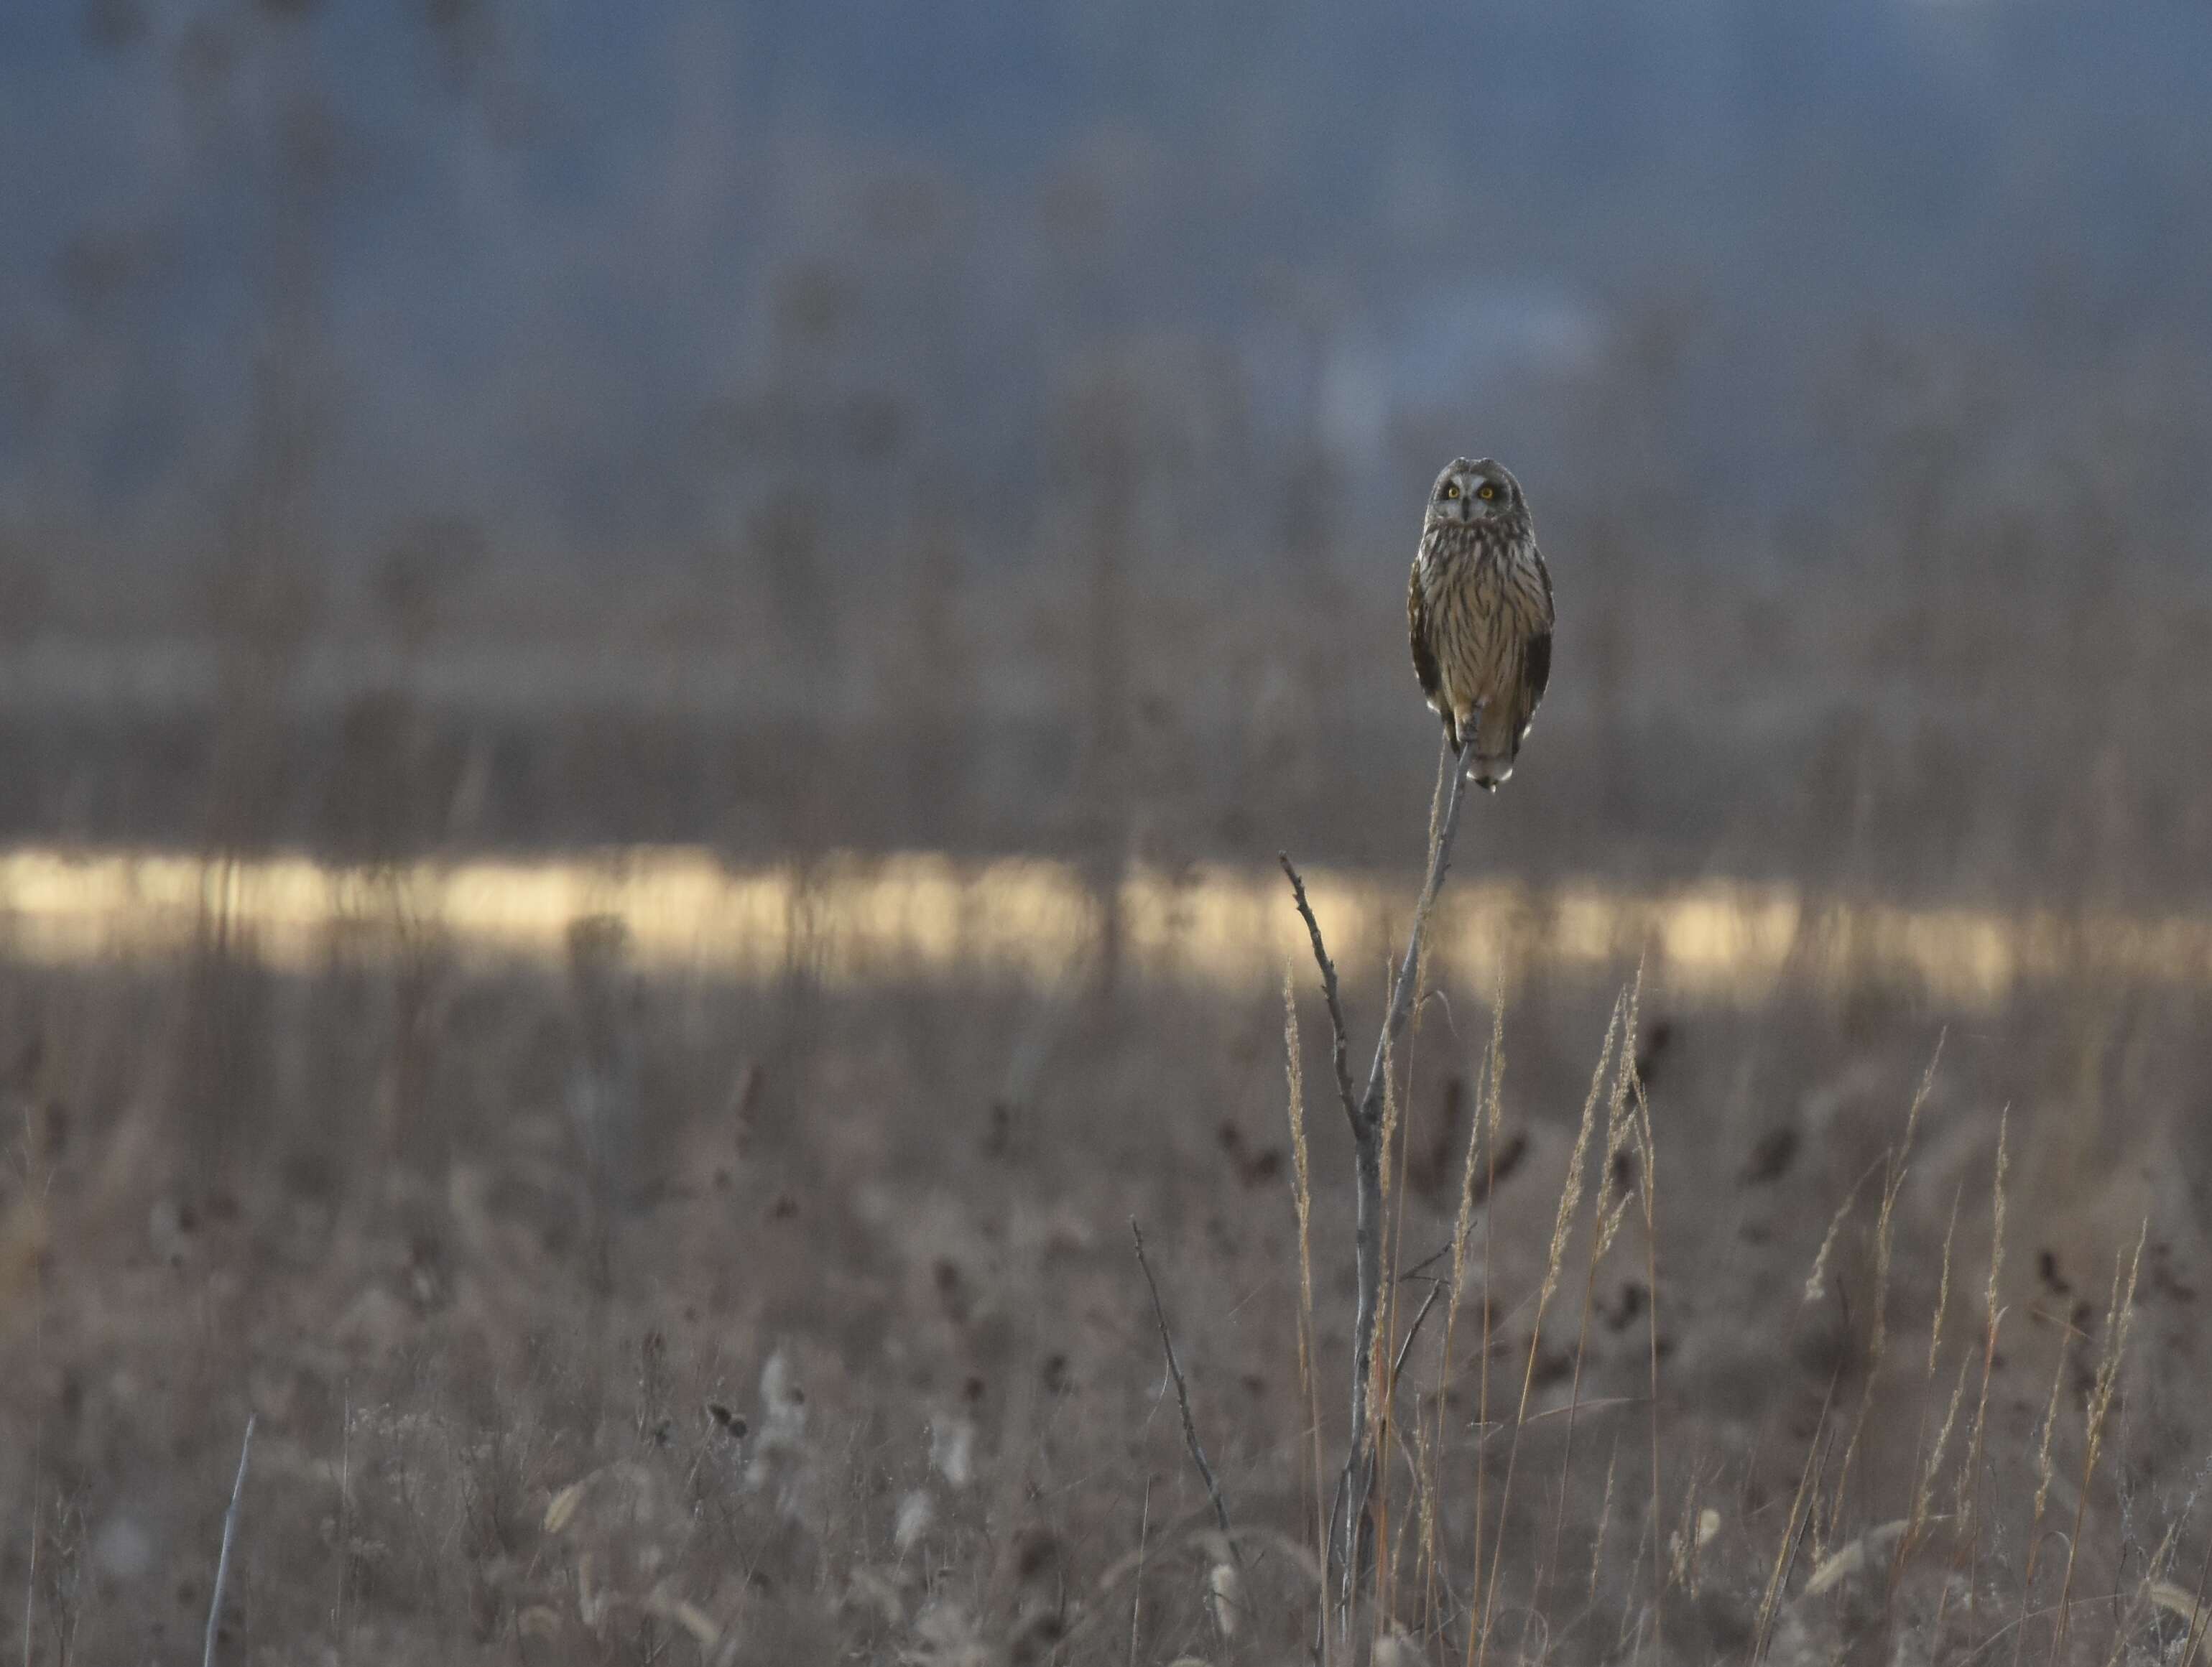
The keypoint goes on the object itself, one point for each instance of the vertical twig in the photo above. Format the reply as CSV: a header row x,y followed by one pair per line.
x,y
1618,1032
1338,1032
1463,1232
1309,1383
1182,1390
1137,1591
30,1576
38,1429
1969,1506
1365,1116
229,1535
2118,1319
345,1494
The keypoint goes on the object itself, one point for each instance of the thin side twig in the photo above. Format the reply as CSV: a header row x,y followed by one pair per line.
x,y
1338,1032
1435,1289
1182,1390
229,1537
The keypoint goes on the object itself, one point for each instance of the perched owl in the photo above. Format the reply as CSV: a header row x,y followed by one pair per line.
x,y
1480,604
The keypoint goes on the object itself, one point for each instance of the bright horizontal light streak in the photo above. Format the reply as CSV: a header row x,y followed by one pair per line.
x,y
848,921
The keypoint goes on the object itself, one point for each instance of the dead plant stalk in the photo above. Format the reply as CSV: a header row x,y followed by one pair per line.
x,y
1365,1114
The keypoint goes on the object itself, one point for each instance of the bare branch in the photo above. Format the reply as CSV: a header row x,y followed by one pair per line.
x,y
1182,1390
1435,1289
1365,1116
1401,997
1340,1047
1367,1127
229,1535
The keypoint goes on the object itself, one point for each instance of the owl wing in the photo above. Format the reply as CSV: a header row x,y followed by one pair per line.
x,y
1535,673
1536,656
1424,656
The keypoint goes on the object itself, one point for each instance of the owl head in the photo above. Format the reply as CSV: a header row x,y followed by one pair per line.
x,y
1479,491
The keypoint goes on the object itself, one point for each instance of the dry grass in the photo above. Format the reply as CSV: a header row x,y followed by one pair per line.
x,y
747,1285
861,1368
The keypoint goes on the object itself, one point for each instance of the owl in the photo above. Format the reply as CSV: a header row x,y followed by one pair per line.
x,y
1480,607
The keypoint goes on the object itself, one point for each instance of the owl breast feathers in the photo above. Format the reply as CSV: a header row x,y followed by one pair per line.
x,y
1480,608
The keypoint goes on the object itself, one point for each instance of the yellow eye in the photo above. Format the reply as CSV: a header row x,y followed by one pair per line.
x,y
1486,491
1452,491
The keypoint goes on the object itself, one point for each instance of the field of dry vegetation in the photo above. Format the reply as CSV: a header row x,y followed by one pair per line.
x,y
593,1308
652,671
598,1300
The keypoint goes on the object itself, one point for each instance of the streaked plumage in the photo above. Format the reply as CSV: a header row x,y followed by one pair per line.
x,y
1480,608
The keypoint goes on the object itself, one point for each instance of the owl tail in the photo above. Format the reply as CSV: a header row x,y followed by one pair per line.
x,y
1497,743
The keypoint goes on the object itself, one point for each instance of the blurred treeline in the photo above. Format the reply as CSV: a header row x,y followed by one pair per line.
x,y
1001,428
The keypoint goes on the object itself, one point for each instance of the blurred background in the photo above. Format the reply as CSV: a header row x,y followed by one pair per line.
x,y
652,659
457,424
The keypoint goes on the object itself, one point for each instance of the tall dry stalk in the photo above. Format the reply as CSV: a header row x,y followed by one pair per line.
x,y
1377,1437
1969,1498
2120,1318
2043,1474
1896,1166
1489,1314
1649,1145
1381,1395
1302,1195
1570,1196
1607,1215
1366,1116
1473,1184
229,1538
1926,1463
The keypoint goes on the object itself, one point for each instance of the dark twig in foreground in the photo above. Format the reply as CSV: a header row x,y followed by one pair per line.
x,y
229,1535
1182,1390
1436,1290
